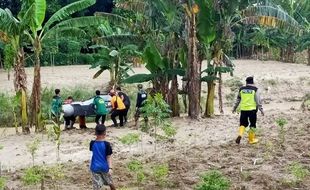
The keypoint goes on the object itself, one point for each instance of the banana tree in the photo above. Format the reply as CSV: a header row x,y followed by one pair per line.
x,y
161,74
117,61
12,33
59,23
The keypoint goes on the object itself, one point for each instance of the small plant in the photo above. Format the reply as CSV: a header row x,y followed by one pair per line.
x,y
2,183
32,148
130,139
33,175
158,112
281,122
298,171
54,133
136,167
160,173
213,180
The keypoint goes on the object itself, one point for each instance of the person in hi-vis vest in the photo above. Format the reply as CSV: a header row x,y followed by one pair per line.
x,y
250,102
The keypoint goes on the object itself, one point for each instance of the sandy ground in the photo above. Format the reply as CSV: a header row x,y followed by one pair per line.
x,y
198,145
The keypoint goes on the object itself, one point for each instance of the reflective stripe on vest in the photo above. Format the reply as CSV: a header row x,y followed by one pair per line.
x,y
247,99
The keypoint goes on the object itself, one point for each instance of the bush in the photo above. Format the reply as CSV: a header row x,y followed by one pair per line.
x,y
213,180
33,175
160,173
130,139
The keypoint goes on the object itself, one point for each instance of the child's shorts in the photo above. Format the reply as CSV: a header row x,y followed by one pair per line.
x,y
100,179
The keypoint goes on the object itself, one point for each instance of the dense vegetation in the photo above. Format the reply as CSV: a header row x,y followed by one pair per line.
x,y
172,38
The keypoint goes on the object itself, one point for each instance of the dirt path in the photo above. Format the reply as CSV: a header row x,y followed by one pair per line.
x,y
198,145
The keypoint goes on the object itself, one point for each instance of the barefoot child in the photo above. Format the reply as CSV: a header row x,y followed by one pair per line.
x,y
101,162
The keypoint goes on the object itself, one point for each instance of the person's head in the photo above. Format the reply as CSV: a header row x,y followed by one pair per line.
x,y
100,131
249,80
118,88
97,92
140,86
70,98
112,92
57,92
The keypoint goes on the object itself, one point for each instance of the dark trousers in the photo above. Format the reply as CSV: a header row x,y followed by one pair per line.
x,y
120,114
126,113
69,121
248,118
98,118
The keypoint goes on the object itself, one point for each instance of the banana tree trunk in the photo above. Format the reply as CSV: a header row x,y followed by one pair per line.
x,y
210,100
194,70
36,89
173,98
220,94
20,85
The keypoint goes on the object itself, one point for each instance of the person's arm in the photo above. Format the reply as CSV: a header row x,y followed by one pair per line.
x,y
109,154
91,145
237,102
259,102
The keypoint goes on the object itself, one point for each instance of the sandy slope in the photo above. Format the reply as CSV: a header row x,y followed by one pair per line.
x,y
197,146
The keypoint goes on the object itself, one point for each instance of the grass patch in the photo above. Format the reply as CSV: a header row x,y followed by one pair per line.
x,y
130,139
234,84
213,180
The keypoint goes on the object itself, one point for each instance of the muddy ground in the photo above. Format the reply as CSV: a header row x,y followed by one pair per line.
x,y
197,147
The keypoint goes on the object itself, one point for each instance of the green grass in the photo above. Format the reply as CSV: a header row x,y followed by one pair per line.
x,y
213,180
130,139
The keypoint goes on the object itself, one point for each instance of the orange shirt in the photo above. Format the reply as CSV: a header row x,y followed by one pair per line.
x,y
119,101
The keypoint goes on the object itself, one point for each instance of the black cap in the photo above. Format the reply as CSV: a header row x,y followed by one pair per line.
x,y
100,129
250,80
97,92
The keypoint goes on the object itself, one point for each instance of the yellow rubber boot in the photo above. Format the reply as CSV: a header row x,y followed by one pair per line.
x,y
252,139
241,132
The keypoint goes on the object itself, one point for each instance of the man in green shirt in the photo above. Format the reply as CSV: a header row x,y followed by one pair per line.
x,y
249,101
100,107
56,106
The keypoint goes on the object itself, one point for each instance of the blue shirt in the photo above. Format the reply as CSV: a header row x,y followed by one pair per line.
x,y
99,162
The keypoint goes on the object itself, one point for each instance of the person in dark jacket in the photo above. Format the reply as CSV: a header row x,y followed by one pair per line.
x,y
126,101
249,101
141,97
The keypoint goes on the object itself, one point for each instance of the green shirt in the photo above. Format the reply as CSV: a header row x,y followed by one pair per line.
x,y
56,105
100,106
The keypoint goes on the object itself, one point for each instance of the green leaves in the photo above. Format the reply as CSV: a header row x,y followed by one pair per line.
x,y
139,78
8,23
68,10
153,59
206,21
40,10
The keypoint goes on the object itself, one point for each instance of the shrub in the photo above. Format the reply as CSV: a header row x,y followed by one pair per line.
x,y
160,173
33,175
213,180
136,167
130,139
32,148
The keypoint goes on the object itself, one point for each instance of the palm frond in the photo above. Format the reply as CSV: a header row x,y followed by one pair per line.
x,y
270,16
68,10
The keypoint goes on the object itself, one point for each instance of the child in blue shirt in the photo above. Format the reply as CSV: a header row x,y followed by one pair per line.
x,y
101,162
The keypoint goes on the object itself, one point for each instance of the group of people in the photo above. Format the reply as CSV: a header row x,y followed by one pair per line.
x,y
248,100
120,105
